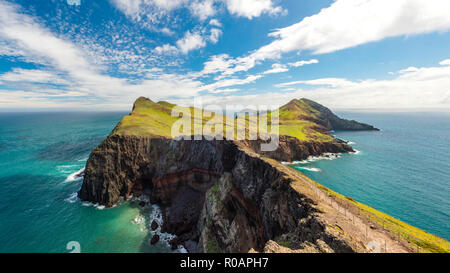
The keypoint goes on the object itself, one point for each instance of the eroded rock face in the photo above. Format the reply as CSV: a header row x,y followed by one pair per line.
x,y
216,196
292,149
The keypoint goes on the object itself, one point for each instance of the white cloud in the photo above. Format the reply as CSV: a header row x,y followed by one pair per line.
x,y
165,4
191,41
333,82
74,2
165,49
302,63
252,8
155,9
32,75
215,22
425,89
421,88
445,62
215,34
129,7
277,68
349,23
216,64
78,72
203,9
407,70
230,82
224,91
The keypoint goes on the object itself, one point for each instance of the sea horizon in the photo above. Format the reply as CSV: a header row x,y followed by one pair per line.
x,y
54,147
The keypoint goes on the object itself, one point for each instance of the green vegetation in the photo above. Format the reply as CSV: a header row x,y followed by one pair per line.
x,y
155,119
420,239
212,246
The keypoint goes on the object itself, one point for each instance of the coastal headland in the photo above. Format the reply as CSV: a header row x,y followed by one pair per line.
x,y
225,194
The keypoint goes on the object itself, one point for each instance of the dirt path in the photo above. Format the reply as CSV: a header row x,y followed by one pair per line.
x,y
347,218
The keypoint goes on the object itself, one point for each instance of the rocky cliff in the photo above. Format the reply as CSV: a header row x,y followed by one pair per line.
x,y
216,196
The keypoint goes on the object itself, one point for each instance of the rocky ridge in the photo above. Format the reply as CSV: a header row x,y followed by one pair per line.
x,y
216,196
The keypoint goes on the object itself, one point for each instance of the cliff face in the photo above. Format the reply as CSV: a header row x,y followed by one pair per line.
x,y
216,195
292,149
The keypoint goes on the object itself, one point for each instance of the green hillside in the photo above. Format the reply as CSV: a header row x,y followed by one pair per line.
x,y
303,119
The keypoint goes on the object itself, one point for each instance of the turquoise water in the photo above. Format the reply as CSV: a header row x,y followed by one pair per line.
x,y
38,208
403,170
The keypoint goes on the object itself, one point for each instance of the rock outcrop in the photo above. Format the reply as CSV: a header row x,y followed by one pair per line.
x,y
219,195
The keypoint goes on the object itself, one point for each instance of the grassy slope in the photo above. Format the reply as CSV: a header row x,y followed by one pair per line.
x,y
419,238
154,119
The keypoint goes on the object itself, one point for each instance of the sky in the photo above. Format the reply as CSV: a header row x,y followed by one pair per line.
x,y
375,55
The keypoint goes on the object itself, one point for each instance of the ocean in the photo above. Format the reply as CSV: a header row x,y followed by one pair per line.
x,y
402,170
39,155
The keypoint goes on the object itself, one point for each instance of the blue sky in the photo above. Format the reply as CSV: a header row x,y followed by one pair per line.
x,y
346,54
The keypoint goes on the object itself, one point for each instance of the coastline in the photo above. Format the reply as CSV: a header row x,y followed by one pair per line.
x,y
412,238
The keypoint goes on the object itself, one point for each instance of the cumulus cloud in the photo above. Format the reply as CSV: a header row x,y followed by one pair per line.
x,y
349,23
445,62
215,22
252,8
165,49
191,41
203,9
129,7
277,68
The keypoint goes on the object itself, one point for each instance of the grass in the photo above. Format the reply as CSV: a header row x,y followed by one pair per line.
x,y
154,119
420,239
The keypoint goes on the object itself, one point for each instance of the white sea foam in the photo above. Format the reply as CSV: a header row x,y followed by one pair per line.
x,y
156,215
72,198
310,169
325,156
78,175
87,204
65,169
356,152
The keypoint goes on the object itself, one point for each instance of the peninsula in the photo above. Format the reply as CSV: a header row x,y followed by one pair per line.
x,y
230,196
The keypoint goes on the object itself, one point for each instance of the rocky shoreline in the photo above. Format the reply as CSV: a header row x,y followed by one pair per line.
x,y
215,196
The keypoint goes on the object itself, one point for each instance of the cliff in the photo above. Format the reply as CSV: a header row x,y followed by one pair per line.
x,y
218,195
221,195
